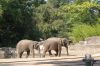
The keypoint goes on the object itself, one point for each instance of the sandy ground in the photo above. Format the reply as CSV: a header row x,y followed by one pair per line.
x,y
58,61
76,52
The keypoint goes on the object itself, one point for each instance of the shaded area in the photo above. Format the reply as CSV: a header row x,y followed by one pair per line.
x,y
39,59
50,62
65,62
46,62
62,63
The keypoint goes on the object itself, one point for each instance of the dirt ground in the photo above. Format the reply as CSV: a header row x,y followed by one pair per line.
x,y
76,52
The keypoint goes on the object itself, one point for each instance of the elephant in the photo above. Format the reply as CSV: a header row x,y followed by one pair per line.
x,y
28,46
55,43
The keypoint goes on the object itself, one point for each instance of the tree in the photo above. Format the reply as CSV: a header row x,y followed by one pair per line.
x,y
81,1
17,22
50,23
79,14
38,2
57,3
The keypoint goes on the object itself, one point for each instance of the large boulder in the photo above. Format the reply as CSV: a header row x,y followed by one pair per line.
x,y
7,52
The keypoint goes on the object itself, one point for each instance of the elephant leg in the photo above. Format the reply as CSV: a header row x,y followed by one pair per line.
x,y
44,52
39,52
56,53
50,53
32,53
20,55
59,50
28,53
59,53
67,50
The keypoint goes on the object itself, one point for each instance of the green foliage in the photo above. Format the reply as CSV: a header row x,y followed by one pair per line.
x,y
76,14
57,3
34,19
82,1
80,13
51,23
38,2
17,22
80,32
44,17
1,11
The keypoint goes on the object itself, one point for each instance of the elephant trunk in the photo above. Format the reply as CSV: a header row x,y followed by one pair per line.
x,y
39,51
67,50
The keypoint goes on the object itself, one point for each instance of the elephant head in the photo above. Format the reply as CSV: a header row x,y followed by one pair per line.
x,y
37,47
65,42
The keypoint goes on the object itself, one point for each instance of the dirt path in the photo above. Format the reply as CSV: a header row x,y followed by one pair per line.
x,y
77,53
51,61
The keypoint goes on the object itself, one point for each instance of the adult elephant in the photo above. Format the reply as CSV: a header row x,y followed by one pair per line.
x,y
55,44
28,46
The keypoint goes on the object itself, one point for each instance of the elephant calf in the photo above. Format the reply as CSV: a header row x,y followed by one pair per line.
x,y
28,46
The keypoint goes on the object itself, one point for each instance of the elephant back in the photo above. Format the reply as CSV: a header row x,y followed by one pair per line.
x,y
25,44
63,41
54,39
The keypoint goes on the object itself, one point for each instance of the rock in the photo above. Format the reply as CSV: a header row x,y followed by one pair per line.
x,y
8,52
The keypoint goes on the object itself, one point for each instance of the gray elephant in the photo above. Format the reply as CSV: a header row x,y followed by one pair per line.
x,y
28,46
55,44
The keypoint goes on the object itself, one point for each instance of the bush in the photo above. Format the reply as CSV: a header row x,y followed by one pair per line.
x,y
80,32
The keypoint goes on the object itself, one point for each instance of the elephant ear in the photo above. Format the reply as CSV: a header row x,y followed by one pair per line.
x,y
36,45
61,41
64,41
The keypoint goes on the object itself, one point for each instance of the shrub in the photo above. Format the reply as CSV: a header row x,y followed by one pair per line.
x,y
80,32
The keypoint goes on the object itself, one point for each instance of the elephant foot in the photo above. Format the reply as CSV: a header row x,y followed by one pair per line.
x,y
43,56
67,54
40,56
50,54
56,54
33,56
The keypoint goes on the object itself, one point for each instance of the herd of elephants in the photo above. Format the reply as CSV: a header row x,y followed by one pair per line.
x,y
53,43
